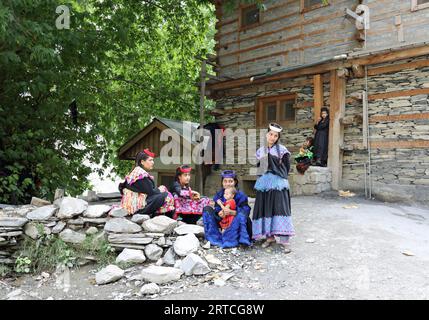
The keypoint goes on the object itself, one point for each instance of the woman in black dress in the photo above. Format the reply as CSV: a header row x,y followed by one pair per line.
x,y
321,139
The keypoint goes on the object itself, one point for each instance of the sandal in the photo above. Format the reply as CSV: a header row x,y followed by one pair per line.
x,y
287,248
267,243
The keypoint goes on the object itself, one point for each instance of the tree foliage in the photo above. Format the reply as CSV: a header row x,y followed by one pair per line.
x,y
121,61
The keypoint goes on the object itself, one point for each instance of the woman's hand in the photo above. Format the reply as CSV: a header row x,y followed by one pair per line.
x,y
221,214
230,212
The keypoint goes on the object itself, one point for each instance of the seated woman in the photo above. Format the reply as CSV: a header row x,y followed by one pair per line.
x,y
240,230
139,193
305,156
189,204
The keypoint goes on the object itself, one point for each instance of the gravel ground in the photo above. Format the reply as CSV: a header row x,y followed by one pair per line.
x,y
344,248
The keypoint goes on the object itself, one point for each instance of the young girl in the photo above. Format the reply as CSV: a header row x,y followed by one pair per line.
x,y
304,156
272,211
189,204
228,204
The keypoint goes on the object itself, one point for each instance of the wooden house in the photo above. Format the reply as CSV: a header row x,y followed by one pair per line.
x,y
367,61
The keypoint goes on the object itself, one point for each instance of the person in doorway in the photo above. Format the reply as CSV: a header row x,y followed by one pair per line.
x,y
321,139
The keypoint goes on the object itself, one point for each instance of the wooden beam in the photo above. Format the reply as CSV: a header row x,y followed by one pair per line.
x,y
392,55
336,129
398,67
400,117
382,144
318,95
400,93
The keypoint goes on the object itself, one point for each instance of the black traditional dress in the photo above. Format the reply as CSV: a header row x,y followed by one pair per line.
x,y
272,211
321,140
140,195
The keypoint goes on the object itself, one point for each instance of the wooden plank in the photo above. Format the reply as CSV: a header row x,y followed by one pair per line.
x,y
336,129
400,93
393,56
383,144
398,67
318,95
400,117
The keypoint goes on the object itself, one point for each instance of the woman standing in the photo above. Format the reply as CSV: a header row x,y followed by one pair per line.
x,y
139,193
321,138
240,230
272,212
189,204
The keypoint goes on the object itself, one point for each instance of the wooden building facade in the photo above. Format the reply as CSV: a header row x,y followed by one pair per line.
x,y
367,61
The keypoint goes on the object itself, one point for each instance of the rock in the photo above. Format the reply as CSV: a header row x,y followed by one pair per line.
x,y
59,193
159,262
189,228
59,227
12,222
133,238
310,240
39,202
118,213
71,207
121,225
219,282
187,244
161,224
194,265
42,213
71,236
206,245
33,232
96,211
109,274
161,275
139,218
212,259
150,288
161,241
169,257
131,256
91,231
178,264
153,252
15,295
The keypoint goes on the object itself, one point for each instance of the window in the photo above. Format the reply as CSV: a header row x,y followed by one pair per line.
x,y
249,16
308,5
280,109
419,4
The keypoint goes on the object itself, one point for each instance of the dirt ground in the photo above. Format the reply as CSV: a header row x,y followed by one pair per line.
x,y
344,248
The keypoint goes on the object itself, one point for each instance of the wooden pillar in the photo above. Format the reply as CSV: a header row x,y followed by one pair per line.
x,y
336,129
318,95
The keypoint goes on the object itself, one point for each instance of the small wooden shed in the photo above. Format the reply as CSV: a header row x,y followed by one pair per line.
x,y
150,137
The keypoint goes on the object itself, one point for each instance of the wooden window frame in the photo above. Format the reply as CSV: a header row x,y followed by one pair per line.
x,y
240,15
313,7
260,110
415,6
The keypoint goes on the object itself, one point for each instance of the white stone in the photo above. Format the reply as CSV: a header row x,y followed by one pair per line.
x,y
139,218
32,230
96,211
169,257
161,275
39,202
194,265
12,221
212,259
150,288
189,228
91,231
206,245
160,224
131,256
118,213
219,282
59,227
178,264
71,236
111,273
187,244
121,225
71,207
42,213
153,252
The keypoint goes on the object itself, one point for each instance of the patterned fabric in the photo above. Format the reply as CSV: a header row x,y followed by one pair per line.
x,y
137,174
275,226
133,201
189,206
168,203
270,181
263,151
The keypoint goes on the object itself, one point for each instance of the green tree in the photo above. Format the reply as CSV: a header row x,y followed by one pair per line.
x,y
121,61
